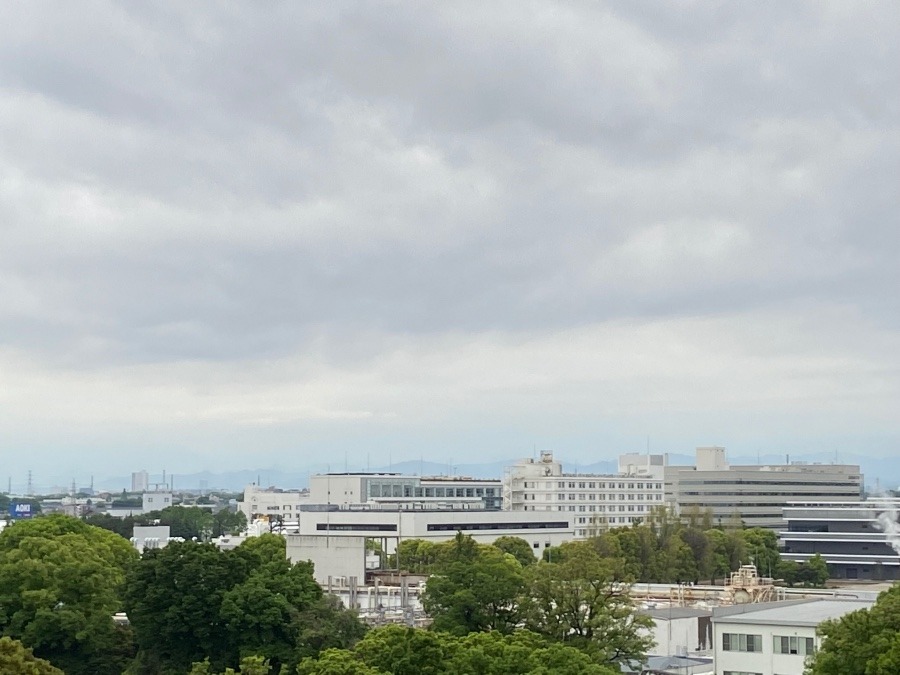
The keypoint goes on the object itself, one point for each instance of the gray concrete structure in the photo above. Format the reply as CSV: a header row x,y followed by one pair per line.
x,y
755,494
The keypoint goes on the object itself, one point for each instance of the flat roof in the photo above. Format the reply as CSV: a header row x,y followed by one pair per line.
x,y
810,613
674,612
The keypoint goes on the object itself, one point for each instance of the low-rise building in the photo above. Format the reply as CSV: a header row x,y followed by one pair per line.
x,y
335,540
772,638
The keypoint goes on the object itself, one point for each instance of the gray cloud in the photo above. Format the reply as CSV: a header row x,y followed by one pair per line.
x,y
325,181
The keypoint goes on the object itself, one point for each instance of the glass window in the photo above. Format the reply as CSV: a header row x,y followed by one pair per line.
x,y
741,642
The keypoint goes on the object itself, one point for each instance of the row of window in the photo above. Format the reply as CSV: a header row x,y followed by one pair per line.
x,y
781,644
465,527
590,485
740,481
595,509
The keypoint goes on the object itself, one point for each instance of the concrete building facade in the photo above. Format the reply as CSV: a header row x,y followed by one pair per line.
x,y
850,536
772,638
345,489
595,502
540,530
756,494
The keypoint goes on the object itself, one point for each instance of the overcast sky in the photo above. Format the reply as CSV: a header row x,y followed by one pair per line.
x,y
236,235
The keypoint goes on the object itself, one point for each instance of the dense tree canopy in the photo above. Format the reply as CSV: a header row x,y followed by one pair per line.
x,y
398,650
60,584
189,601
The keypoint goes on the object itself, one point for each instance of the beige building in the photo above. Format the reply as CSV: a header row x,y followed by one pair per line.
x,y
595,502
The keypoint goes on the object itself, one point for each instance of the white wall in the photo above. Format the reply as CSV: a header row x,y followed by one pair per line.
x,y
765,662
331,556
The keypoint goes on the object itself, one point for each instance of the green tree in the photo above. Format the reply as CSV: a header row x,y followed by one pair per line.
x,y
577,601
190,600
124,527
475,589
521,652
226,522
17,659
173,597
865,642
60,584
788,571
405,651
250,665
261,614
187,522
518,548
327,624
416,555
336,662
762,549
728,550
813,572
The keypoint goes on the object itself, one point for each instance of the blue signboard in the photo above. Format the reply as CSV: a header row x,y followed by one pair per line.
x,y
19,510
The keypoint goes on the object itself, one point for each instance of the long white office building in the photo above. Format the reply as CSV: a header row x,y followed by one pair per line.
x,y
595,502
360,491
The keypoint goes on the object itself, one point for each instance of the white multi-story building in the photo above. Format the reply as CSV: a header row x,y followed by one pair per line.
x,y
772,638
595,502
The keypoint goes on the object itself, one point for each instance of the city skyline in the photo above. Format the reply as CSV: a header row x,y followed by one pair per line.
x,y
236,237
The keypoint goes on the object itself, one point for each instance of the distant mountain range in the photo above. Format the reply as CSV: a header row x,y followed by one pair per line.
x,y
880,472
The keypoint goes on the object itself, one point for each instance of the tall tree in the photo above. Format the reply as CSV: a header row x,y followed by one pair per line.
x,y
577,601
477,588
